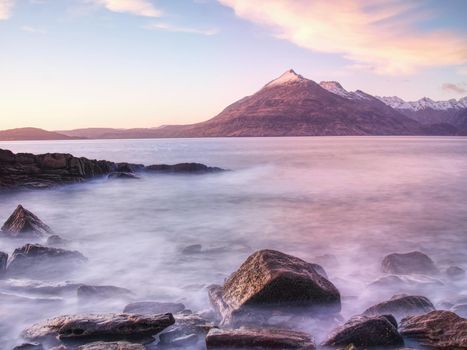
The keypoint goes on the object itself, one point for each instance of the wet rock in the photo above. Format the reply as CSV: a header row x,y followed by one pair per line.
x,y
3,263
37,261
122,175
107,327
153,307
401,306
86,292
258,338
409,263
187,168
366,331
24,224
187,331
268,281
455,272
29,346
56,240
120,345
436,330
192,249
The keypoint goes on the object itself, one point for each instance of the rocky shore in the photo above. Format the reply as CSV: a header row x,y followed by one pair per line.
x,y
267,303
26,170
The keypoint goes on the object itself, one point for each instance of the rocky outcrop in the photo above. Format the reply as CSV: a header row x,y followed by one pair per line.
x,y
258,338
90,293
123,175
366,331
24,224
153,307
119,345
273,281
35,260
436,330
26,170
191,168
401,306
408,263
93,327
3,263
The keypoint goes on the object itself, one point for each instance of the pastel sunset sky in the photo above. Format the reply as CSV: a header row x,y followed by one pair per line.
x,y
143,63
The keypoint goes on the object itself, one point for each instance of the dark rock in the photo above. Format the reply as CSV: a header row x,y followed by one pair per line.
x,y
123,175
257,338
408,263
86,292
366,331
3,263
24,224
455,272
190,168
36,261
7,156
129,168
29,346
56,240
270,280
120,345
106,327
153,307
401,306
437,330
192,249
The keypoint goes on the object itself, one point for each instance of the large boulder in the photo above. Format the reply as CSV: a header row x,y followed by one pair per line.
x,y
401,306
436,330
258,338
119,345
24,224
409,263
94,327
153,307
182,168
269,281
35,260
366,331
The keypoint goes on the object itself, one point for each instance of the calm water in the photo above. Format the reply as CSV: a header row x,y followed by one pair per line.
x,y
357,198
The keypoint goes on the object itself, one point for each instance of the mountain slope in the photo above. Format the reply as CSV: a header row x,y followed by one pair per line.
x,y
32,134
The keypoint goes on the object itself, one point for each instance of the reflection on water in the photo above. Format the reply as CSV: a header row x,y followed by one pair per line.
x,y
357,198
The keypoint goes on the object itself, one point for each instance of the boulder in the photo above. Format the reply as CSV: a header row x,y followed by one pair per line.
x,y
119,345
270,281
153,307
56,240
366,331
436,330
455,272
3,263
187,331
39,261
24,224
401,306
183,168
87,292
409,263
29,346
106,327
258,338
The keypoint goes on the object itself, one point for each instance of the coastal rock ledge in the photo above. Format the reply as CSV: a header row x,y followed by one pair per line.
x,y
26,170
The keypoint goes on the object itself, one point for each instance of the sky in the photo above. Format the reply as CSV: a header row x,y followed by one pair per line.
x,y
68,64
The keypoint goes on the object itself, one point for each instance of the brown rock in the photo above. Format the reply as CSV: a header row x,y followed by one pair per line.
x,y
437,330
258,338
24,224
366,331
401,306
409,263
120,345
271,280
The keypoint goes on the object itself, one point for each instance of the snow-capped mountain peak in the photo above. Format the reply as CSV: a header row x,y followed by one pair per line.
x,y
289,77
337,89
424,103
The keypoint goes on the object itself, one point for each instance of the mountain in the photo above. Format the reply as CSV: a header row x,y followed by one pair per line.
x,y
428,112
32,134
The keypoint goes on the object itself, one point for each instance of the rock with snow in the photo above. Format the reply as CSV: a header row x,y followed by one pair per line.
x,y
289,77
24,224
424,103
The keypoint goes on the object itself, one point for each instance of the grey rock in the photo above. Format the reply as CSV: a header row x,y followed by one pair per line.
x,y
120,345
409,263
182,168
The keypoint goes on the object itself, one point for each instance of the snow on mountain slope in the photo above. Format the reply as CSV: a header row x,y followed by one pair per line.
x,y
424,103
336,88
288,77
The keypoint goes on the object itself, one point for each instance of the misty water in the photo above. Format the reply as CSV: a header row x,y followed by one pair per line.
x,y
342,202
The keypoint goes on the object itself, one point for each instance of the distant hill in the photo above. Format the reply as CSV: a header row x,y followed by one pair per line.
x,y
32,134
